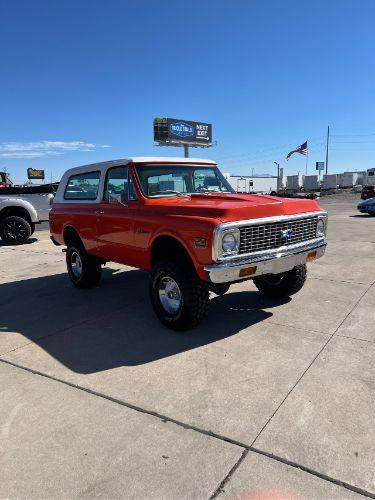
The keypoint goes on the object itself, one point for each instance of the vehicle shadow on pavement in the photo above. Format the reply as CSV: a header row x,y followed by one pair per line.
x,y
28,242
112,325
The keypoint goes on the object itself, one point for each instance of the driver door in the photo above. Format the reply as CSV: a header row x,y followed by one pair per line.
x,y
115,217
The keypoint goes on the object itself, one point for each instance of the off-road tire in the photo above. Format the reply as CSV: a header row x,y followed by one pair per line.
x,y
15,230
219,288
288,283
91,266
194,295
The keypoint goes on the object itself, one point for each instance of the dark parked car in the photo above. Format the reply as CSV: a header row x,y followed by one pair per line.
x,y
367,206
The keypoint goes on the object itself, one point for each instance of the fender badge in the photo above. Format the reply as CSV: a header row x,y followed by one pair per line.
x,y
200,243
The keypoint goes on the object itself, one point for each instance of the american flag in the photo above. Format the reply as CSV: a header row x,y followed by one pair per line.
x,y
302,149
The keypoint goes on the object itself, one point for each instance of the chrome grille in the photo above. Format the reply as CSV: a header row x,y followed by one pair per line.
x,y
259,237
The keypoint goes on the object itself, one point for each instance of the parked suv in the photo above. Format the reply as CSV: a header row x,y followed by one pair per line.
x,y
180,219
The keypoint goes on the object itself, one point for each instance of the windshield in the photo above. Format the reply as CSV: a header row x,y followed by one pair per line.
x,y
170,180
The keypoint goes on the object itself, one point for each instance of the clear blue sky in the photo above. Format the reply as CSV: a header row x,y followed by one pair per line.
x,y
78,75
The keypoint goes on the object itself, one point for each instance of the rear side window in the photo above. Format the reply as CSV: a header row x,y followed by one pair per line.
x,y
83,186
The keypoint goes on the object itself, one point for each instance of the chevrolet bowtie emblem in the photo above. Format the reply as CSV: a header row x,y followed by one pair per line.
x,y
287,233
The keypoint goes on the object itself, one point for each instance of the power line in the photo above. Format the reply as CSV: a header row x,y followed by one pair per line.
x,y
353,135
282,147
352,142
262,158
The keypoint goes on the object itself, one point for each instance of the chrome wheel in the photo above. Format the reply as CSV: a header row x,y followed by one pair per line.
x,y
76,264
169,295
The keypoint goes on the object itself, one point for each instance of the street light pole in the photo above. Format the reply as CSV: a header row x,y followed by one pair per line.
x,y
327,147
278,175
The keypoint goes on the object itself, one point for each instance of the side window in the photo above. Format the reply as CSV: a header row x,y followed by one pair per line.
x,y
119,183
83,186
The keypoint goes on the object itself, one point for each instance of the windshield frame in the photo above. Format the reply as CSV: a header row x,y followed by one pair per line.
x,y
195,166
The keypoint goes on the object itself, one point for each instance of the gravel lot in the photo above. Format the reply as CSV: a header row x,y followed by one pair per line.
x,y
98,399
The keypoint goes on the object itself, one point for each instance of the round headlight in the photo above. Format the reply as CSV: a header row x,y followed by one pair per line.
x,y
229,243
320,228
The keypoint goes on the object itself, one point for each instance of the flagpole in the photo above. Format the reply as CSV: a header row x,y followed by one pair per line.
x,y
307,157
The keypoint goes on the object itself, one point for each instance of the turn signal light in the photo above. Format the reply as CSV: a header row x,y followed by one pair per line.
x,y
248,271
311,255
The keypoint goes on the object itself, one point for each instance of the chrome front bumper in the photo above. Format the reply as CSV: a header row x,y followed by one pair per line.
x,y
279,261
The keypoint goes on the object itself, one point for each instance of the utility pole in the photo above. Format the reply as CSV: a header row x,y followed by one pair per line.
x,y
186,151
327,147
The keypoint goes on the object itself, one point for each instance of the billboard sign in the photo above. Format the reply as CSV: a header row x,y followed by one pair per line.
x,y
176,131
33,173
319,165
181,129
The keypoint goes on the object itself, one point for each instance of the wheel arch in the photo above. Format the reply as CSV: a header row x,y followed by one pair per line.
x,y
17,211
70,233
170,247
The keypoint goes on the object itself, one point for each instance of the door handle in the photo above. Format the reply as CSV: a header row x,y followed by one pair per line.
x,y
99,212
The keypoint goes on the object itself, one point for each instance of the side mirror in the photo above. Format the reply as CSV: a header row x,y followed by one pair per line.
x,y
114,198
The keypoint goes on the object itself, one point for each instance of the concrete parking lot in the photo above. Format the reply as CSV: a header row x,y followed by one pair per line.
x,y
98,399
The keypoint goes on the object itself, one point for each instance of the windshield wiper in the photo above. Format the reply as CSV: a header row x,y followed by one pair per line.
x,y
171,191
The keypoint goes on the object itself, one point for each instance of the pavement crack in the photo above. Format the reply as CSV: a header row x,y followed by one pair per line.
x,y
355,305
313,472
337,281
355,338
246,447
220,489
131,406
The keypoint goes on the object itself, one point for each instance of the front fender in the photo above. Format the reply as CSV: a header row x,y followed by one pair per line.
x,y
16,202
173,234
198,256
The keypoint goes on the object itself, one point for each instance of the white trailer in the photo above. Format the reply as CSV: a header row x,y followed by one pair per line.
x,y
311,182
348,180
370,177
294,182
351,179
329,181
248,184
361,178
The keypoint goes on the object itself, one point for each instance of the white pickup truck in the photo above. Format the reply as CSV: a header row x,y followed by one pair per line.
x,y
21,208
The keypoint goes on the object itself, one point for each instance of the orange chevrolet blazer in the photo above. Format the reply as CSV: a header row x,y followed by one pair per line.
x,y
180,219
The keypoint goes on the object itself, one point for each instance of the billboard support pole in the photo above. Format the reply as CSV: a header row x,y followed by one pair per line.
x,y
186,151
